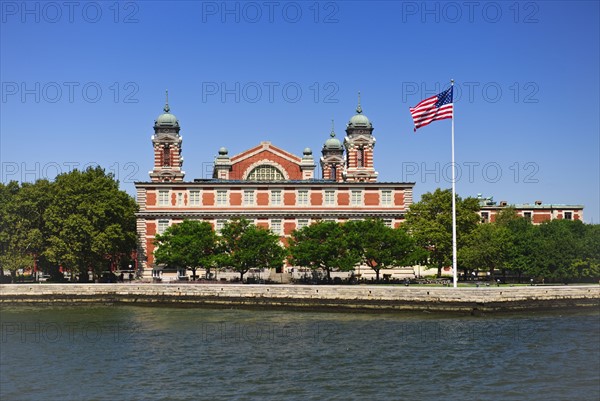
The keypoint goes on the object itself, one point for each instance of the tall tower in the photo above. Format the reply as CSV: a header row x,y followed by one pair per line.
x,y
332,161
359,144
167,148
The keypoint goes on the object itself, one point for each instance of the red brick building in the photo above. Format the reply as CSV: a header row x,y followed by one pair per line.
x,y
537,212
267,185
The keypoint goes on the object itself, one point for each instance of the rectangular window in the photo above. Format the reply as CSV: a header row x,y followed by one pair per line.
x,y
386,198
329,198
302,223
568,215
219,225
276,197
387,222
163,198
249,197
179,199
162,226
360,156
276,226
302,197
485,217
527,215
356,198
222,197
195,198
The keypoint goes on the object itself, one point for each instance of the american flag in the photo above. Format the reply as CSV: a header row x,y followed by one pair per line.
x,y
438,107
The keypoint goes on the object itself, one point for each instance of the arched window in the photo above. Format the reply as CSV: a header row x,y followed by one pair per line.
x,y
166,156
265,172
361,156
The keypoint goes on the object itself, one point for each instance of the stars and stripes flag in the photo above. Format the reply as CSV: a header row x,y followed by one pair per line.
x,y
438,107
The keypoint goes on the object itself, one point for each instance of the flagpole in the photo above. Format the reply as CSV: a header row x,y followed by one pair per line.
x,y
454,269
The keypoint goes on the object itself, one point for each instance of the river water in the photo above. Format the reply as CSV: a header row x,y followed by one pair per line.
x,y
159,353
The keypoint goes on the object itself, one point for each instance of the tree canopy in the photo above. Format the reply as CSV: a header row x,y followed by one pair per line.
x,y
244,246
379,246
554,251
323,245
190,244
81,221
429,221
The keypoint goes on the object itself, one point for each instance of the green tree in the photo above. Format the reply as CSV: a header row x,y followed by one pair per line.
x,y
245,246
587,264
380,246
323,245
486,248
190,244
22,231
91,222
522,241
558,250
7,195
429,221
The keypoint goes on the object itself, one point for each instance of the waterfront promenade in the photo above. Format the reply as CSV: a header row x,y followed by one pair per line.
x,y
371,298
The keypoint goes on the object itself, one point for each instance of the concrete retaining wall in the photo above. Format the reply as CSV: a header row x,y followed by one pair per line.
x,y
371,298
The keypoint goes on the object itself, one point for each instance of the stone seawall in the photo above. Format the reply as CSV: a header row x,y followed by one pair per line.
x,y
365,298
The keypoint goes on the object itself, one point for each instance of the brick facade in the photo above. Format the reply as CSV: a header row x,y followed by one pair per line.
x,y
267,185
537,212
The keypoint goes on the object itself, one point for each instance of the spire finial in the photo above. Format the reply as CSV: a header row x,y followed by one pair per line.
x,y
167,108
332,134
358,108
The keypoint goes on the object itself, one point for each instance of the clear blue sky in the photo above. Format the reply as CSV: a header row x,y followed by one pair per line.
x,y
527,118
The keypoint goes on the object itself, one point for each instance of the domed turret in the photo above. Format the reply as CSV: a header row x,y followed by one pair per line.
x,y
359,120
359,144
167,148
333,143
333,157
166,119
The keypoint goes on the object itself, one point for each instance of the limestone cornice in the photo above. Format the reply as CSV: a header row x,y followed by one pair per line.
x,y
305,184
270,214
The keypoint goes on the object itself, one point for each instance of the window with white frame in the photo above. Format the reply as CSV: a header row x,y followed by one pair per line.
x,y
265,172
162,226
179,199
386,197
276,197
302,197
302,223
356,198
222,197
527,215
219,225
195,198
387,222
249,197
163,198
329,198
276,226
568,215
